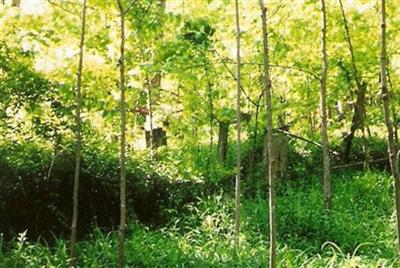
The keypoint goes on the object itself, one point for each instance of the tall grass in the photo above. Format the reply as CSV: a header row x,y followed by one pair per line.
x,y
358,232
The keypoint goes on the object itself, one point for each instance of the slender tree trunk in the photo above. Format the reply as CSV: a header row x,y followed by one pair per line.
x,y
238,128
223,133
357,122
365,149
350,44
393,157
271,158
122,225
75,199
211,106
324,128
255,136
15,3
395,127
148,85
154,84
359,113
150,108
395,118
211,118
311,123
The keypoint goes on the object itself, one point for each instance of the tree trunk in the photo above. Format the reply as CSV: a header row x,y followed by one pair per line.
x,y
324,128
223,141
122,225
359,108
280,144
75,199
238,128
255,136
159,137
394,114
271,160
15,3
357,121
154,84
211,118
150,86
393,157
395,128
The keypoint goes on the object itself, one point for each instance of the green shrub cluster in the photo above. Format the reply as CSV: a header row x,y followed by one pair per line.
x,y
359,232
37,198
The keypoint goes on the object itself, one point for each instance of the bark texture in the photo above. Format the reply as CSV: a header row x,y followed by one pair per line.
x,y
238,128
223,133
154,84
122,224
359,112
270,176
324,119
78,141
393,156
159,138
15,3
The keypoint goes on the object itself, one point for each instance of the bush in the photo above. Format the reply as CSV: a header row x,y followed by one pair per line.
x,y
43,206
358,232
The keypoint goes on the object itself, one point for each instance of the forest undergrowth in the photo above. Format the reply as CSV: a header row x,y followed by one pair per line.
x,y
359,233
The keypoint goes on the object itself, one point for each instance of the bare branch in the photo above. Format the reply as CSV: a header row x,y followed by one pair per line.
x,y
234,77
145,13
304,139
360,163
129,6
63,8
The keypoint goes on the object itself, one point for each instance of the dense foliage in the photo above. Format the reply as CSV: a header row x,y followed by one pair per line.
x,y
180,78
200,235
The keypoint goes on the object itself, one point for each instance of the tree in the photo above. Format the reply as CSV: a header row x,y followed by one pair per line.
x,y
393,155
238,128
78,141
122,159
324,125
359,113
15,3
154,84
270,175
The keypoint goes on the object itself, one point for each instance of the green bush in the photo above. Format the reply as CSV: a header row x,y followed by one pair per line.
x,y
31,200
358,233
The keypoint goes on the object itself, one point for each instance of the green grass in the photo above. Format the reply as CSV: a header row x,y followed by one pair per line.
x,y
358,232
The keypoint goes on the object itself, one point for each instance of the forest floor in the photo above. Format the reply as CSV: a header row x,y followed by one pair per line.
x,y
357,232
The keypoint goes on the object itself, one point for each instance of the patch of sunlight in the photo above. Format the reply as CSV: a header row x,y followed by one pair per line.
x,y
115,95
359,5
34,7
140,144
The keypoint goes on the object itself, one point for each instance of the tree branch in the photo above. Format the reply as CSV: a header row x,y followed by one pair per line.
x,y
287,133
62,8
129,6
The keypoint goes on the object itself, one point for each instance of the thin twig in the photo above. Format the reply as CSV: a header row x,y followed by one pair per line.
x,y
144,14
304,139
52,164
62,8
289,67
359,163
129,7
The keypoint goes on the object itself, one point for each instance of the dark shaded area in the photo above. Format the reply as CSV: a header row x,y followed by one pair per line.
x,y
43,205
159,138
223,132
305,160
198,31
30,200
